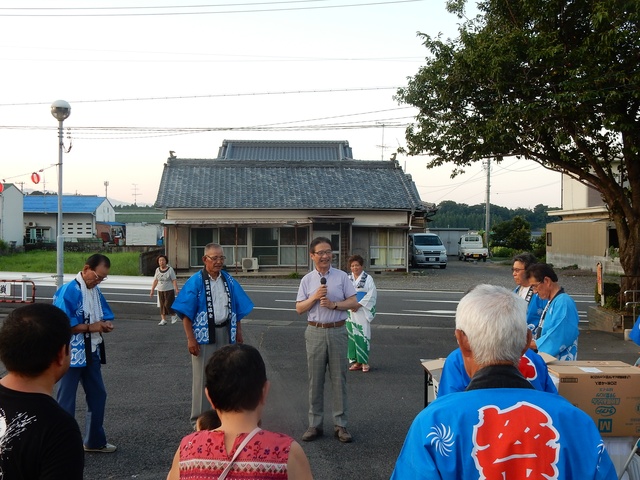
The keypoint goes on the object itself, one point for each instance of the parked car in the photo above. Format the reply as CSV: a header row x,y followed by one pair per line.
x,y
426,249
471,246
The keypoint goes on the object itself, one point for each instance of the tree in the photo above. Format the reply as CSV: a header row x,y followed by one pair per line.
x,y
552,81
514,233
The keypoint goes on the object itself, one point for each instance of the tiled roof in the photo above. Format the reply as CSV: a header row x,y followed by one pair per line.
x,y
286,184
70,203
310,151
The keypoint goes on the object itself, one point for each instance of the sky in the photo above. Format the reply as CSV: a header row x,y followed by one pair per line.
x,y
145,77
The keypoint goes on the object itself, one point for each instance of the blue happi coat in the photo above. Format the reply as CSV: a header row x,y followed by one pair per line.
x,y
68,298
454,377
191,302
506,434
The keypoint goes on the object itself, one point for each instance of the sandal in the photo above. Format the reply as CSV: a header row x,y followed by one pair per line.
x,y
355,366
365,368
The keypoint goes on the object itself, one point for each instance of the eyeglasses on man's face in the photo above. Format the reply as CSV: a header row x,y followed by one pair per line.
x,y
535,285
323,253
99,278
517,270
219,258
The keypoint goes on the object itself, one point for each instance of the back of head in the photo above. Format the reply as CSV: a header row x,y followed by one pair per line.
x,y
494,320
235,376
31,338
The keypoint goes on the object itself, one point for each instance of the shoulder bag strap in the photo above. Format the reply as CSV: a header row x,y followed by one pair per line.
x,y
249,436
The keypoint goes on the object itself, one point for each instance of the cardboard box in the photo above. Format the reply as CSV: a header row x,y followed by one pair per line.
x,y
432,372
609,392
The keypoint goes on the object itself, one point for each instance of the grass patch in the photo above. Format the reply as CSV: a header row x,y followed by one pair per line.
x,y
124,263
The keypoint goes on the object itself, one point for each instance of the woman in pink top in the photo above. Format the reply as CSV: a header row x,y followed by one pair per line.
x,y
237,387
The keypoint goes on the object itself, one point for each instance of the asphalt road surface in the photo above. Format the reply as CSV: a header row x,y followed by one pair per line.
x,y
148,371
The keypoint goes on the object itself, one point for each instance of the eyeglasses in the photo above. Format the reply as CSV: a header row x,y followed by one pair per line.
x,y
324,252
99,278
535,285
216,259
517,270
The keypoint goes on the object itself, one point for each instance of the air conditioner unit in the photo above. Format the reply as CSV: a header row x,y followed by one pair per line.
x,y
32,224
249,264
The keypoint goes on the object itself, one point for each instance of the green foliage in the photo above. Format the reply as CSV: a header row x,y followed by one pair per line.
x,y
539,246
611,296
460,215
293,275
502,252
125,263
551,82
4,247
514,233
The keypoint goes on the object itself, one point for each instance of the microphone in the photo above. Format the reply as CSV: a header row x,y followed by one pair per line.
x,y
323,281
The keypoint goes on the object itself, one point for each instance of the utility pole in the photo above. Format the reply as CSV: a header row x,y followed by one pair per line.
x,y
488,203
383,147
135,194
106,185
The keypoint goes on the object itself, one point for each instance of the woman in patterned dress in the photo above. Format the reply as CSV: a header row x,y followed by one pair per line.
x,y
359,320
237,387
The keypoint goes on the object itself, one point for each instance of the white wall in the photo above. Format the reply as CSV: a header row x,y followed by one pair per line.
x,y
11,213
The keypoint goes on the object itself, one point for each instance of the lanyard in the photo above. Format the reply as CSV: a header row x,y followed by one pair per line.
x,y
544,313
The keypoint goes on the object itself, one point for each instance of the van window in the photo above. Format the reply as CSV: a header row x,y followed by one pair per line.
x,y
427,240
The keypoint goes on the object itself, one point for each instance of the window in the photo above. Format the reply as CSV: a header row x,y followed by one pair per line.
x,y
227,237
289,236
234,242
386,248
200,237
548,239
265,245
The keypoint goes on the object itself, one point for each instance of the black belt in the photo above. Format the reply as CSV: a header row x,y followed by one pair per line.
x,y
223,324
326,325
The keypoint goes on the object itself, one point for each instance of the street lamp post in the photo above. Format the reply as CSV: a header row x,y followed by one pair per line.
x,y
60,111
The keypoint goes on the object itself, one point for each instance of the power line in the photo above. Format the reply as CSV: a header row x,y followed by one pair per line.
x,y
159,6
214,95
389,2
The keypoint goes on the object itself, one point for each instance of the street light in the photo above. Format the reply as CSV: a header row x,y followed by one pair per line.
x,y
60,111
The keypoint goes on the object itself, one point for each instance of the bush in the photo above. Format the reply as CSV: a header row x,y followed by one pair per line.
x,y
503,252
611,296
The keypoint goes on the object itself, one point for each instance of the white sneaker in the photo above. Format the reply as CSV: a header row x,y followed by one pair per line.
x,y
162,322
174,319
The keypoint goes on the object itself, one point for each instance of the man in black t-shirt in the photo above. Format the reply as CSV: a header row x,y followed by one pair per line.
x,y
38,439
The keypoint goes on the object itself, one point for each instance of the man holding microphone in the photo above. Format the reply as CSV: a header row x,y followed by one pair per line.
x,y
326,294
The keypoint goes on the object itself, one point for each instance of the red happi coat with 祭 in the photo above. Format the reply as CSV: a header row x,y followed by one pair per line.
x,y
503,434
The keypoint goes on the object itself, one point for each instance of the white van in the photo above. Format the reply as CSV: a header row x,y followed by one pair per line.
x,y
426,249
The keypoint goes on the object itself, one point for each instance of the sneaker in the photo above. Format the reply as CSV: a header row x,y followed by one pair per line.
x,y
174,319
162,322
311,434
108,448
342,434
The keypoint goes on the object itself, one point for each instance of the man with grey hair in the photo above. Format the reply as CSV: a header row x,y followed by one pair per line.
x,y
211,305
500,427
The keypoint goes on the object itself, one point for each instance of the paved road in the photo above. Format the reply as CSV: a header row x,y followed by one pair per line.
x,y
149,383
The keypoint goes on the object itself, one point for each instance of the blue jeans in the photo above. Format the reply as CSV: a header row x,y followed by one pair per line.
x,y
95,395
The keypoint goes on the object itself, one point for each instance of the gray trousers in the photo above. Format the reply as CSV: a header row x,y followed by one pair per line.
x,y
199,402
327,347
